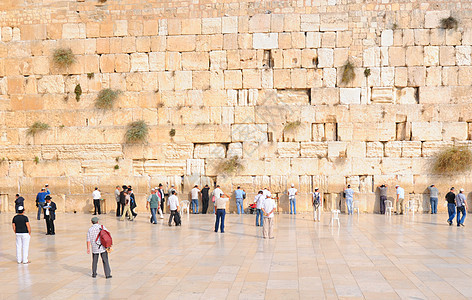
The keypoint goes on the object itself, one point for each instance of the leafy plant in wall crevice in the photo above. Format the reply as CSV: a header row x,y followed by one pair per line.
x,y
106,98
63,57
137,132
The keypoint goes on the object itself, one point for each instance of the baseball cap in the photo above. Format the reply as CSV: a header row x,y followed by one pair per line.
x,y
21,208
461,190
95,219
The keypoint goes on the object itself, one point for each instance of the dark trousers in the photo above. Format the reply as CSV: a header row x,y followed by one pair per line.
x,y
220,220
162,206
122,210
50,225
40,209
382,204
119,209
96,204
106,265
451,209
205,205
173,213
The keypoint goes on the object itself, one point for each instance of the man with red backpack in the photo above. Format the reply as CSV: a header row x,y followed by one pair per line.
x,y
99,239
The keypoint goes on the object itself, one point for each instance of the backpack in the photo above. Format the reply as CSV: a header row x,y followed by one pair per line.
x,y
105,238
316,200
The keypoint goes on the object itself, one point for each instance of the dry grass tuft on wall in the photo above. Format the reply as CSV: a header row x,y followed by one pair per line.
x,y
63,57
348,73
137,132
106,98
449,23
230,166
37,127
453,160
291,126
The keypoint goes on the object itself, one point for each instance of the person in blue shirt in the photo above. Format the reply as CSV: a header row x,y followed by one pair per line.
x,y
41,200
240,194
349,195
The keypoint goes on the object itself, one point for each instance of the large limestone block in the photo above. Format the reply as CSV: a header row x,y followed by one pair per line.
x,y
233,79
350,95
371,57
191,26
416,76
334,22
411,148
304,166
211,25
324,96
433,18
309,22
265,41
195,61
414,56
335,166
356,150
288,149
426,131
454,131
405,95
208,134
447,56
463,55
51,84
337,149
440,94
244,114
181,43
301,133
195,167
386,38
229,25
249,132
431,55
259,23
325,57
400,166
314,149
139,62
235,149
73,31
432,148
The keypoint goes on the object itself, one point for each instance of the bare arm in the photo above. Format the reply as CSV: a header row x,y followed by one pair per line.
x,y
88,247
14,227
29,227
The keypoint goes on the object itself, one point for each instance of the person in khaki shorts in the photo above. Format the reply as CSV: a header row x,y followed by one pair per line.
x,y
400,199
268,208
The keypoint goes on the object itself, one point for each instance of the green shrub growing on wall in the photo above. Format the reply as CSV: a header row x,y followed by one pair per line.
x,y
37,126
106,98
63,57
452,160
137,132
230,166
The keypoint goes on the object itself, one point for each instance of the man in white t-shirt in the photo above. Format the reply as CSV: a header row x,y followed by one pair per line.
x,y
173,203
259,199
96,200
400,199
292,192
220,208
266,193
194,193
268,208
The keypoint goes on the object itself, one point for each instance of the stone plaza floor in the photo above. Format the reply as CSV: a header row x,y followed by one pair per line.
x,y
368,256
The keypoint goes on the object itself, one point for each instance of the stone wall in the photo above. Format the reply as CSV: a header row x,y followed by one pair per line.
x,y
260,80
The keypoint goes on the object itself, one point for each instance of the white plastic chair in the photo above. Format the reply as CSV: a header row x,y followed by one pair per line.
x,y
355,206
185,204
411,207
335,216
388,207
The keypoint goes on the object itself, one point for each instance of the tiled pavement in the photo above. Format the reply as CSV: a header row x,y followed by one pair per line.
x,y
370,256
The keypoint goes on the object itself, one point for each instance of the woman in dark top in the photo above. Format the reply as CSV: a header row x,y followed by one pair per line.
x,y
205,198
22,229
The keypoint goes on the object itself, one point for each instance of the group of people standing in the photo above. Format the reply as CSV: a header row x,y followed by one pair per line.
x,y
125,202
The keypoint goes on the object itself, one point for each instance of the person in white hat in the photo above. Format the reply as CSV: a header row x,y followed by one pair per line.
x,y
461,206
22,229
292,192
316,205
400,199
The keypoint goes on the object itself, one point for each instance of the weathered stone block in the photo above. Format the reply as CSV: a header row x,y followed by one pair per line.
x,y
181,43
426,131
288,149
314,149
434,94
350,95
374,149
265,41
334,22
211,25
454,131
209,151
386,38
249,132
139,62
411,148
463,55
325,58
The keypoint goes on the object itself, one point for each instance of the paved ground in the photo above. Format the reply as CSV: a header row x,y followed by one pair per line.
x,y
370,256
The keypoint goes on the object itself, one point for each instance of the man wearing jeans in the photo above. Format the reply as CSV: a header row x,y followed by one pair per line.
x,y
194,193
41,200
461,204
239,194
292,192
451,205
220,205
433,198
349,195
97,249
259,199
153,202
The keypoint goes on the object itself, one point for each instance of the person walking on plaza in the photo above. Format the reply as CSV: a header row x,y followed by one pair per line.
x,y
22,229
292,193
349,196
259,199
400,198
127,209
93,243
316,205
117,199
19,201
153,204
461,205
268,208
161,195
40,200
50,215
205,198
433,198
173,203
123,199
220,209
240,194
96,195
195,191
383,198
451,205
132,203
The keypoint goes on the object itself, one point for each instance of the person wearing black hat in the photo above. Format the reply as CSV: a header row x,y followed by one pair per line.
x,y
50,215
22,229
205,198
19,201
122,200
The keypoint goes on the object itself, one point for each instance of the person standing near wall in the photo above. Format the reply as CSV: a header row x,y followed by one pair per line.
x,y
40,200
383,198
127,209
461,205
433,198
22,230
194,193
96,195
292,193
451,205
153,202
19,201
205,198
259,199
220,209
316,205
349,195
400,198
173,203
50,215
117,199
239,194
268,208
